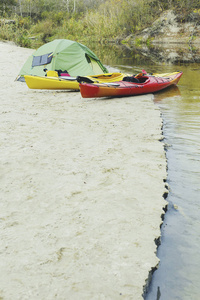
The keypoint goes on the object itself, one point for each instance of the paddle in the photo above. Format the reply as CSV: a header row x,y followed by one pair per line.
x,y
81,79
69,78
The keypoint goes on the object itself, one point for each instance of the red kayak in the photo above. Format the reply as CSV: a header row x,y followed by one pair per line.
x,y
130,85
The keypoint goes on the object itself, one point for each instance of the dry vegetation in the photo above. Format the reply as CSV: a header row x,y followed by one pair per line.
x,y
35,22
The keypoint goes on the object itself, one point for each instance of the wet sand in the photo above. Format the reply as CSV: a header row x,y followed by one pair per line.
x,y
81,191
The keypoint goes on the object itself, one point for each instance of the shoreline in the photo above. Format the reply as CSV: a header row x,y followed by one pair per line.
x,y
82,189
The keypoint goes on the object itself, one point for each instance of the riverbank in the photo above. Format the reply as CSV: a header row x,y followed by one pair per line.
x,y
82,191
171,39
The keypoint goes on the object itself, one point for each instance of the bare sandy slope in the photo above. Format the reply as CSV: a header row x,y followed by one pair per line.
x,y
81,191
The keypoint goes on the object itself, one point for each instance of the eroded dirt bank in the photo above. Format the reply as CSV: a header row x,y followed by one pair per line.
x,y
170,39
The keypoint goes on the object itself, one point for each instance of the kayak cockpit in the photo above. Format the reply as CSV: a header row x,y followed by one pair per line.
x,y
140,79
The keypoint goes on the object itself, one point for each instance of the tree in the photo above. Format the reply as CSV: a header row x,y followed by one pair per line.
x,y
6,6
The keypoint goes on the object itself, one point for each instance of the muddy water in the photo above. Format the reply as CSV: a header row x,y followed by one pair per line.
x,y
178,274
179,270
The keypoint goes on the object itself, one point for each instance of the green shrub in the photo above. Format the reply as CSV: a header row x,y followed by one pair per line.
x,y
23,41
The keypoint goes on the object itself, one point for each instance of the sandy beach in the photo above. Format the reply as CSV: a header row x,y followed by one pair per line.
x,y
81,191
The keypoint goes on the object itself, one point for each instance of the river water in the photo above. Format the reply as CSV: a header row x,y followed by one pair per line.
x,y
179,270
178,274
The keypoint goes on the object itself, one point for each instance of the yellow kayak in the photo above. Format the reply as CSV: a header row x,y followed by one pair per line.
x,y
67,82
51,83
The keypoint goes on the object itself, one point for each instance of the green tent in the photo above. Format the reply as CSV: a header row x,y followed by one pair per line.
x,y
65,55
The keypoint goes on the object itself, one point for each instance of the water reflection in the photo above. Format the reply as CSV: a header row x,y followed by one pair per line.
x,y
124,55
172,91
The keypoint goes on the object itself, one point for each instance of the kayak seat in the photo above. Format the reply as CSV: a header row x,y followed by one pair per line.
x,y
51,74
143,79
131,79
